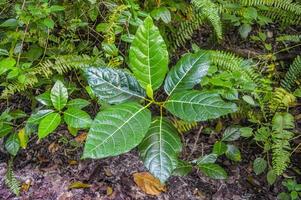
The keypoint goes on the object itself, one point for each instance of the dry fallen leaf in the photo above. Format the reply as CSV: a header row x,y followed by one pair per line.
x,y
72,162
78,185
81,138
26,185
109,191
53,147
148,183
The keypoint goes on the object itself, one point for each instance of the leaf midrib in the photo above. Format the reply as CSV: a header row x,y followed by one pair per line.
x,y
111,135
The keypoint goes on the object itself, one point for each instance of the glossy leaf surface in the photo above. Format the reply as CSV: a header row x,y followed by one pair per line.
x,y
160,148
117,130
148,55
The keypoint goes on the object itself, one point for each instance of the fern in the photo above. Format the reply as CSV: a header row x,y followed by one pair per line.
x,y
289,38
46,69
292,76
281,100
185,29
229,62
210,11
183,126
10,180
282,123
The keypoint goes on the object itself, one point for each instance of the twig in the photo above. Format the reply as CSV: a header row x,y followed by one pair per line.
x,y
195,142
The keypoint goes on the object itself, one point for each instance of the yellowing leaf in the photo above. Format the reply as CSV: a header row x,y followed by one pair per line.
x,y
109,191
23,138
26,185
78,185
148,183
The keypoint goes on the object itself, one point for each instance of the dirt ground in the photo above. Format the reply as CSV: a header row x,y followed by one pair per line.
x,y
52,165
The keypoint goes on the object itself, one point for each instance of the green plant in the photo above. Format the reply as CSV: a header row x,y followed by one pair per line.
x,y
293,188
49,118
119,128
275,139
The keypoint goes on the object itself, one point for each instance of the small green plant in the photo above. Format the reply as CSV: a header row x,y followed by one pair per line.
x,y
293,190
126,124
50,117
274,139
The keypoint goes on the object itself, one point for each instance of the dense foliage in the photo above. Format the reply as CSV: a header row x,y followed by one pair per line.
x,y
114,69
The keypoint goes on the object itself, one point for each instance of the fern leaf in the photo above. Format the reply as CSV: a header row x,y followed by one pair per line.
x,y
10,180
210,11
293,75
183,126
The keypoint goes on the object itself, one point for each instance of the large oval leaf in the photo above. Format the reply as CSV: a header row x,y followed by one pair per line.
x,y
160,148
148,55
12,144
113,85
77,118
117,130
59,95
187,73
48,124
198,106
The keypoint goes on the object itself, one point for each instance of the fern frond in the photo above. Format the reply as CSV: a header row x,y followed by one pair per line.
x,y
289,38
183,126
46,69
282,123
210,11
184,30
229,62
10,180
293,75
281,100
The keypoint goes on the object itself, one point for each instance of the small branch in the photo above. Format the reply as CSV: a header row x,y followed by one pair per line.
x,y
195,142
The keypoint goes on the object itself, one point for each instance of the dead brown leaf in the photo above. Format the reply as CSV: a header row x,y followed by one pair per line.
x,y
78,185
72,162
148,183
53,147
26,185
81,137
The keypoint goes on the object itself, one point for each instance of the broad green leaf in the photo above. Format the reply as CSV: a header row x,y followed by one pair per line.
x,y
5,129
210,158
77,118
44,98
233,153
182,169
259,165
160,148
116,130
161,13
59,95
11,23
271,177
148,55
246,132
48,124
219,148
38,116
12,144
188,72
198,106
213,170
231,134
78,103
249,100
113,85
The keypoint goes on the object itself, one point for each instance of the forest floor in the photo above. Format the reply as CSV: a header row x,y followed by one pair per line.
x,y
48,168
